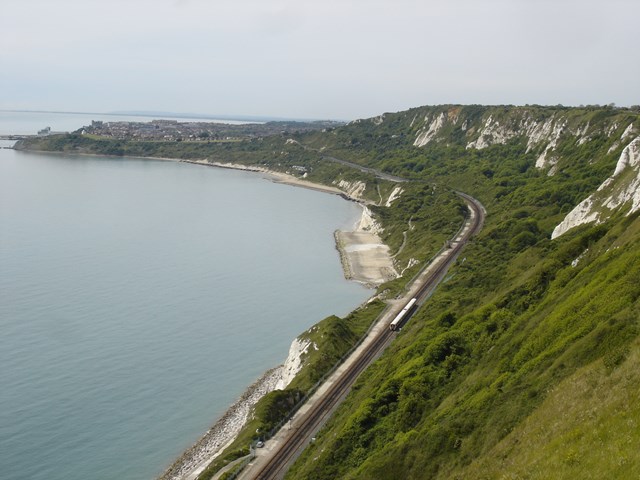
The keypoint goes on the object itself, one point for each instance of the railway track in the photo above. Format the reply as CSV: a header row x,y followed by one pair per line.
x,y
434,278
300,437
276,466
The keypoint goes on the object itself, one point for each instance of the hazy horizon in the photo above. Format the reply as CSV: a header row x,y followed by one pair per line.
x,y
314,60
190,116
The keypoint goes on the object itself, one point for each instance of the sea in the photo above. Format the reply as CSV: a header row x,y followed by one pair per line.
x,y
139,299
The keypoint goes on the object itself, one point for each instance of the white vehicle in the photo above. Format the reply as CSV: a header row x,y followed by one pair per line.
x,y
396,323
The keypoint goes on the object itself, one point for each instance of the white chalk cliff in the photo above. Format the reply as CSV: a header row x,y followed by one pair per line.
x,y
546,132
293,364
353,189
427,134
623,187
395,194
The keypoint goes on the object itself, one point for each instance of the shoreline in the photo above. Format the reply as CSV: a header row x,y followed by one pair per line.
x,y
225,430
364,257
194,460
275,176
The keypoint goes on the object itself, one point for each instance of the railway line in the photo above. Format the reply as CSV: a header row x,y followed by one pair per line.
x,y
275,465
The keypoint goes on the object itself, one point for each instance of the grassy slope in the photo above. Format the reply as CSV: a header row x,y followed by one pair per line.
x,y
587,427
453,386
512,323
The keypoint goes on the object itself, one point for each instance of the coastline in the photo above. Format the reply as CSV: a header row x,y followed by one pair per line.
x,y
196,459
225,430
364,240
365,258
273,175
192,462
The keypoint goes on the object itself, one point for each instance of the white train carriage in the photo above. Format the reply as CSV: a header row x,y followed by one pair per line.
x,y
396,322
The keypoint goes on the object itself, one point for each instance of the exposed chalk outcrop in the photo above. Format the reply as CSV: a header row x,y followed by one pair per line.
x,y
411,263
544,134
621,188
629,131
354,189
367,223
582,213
426,135
492,133
395,194
293,364
537,131
378,120
553,136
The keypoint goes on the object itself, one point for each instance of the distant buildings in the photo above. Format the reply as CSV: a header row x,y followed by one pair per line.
x,y
173,130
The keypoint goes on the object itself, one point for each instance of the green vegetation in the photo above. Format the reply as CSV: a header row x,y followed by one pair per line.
x,y
523,364
465,372
587,427
515,321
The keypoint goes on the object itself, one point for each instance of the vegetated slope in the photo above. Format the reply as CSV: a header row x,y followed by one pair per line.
x,y
464,374
523,323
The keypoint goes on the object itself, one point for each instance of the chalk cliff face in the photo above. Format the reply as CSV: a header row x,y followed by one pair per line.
x,y
621,188
546,132
394,195
429,132
294,362
353,189
555,137
543,129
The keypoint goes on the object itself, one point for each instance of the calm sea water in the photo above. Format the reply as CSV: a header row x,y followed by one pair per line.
x,y
138,299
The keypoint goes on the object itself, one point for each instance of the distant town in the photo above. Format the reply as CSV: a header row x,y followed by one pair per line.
x,y
173,130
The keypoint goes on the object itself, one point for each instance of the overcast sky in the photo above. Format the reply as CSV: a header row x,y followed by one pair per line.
x,y
341,59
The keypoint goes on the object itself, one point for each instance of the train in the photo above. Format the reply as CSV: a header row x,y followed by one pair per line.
x,y
396,322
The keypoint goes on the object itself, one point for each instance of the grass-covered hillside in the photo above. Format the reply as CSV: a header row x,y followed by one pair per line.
x,y
461,392
523,364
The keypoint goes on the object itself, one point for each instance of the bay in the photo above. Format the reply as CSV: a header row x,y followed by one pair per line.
x,y
139,298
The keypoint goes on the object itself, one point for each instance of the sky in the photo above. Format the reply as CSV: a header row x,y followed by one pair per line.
x,y
316,59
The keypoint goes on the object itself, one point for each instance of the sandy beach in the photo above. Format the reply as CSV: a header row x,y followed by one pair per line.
x,y
365,258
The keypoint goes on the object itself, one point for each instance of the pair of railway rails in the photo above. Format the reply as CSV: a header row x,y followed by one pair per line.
x,y
277,465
